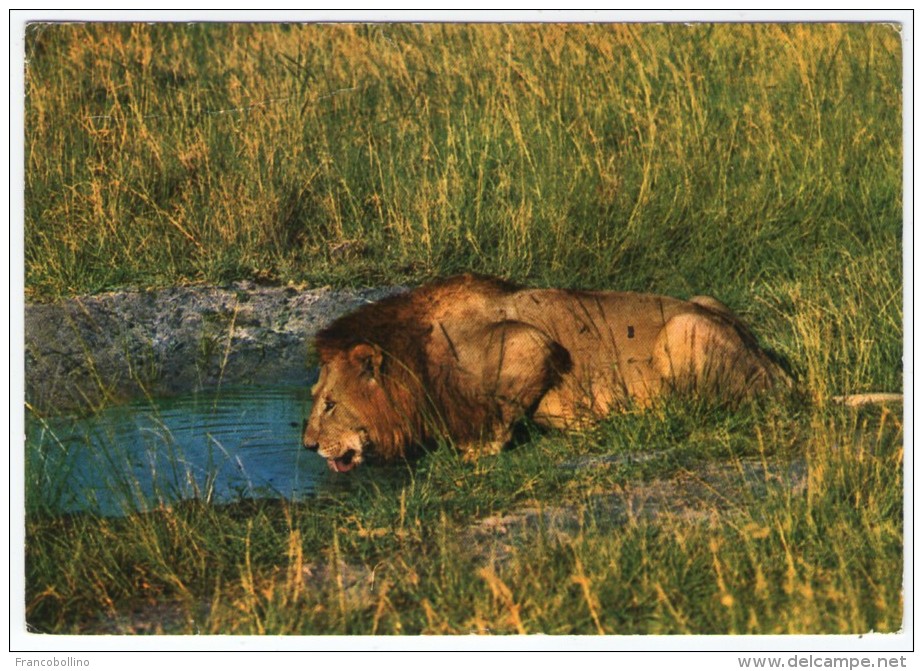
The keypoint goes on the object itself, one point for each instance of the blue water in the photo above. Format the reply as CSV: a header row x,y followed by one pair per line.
x,y
219,447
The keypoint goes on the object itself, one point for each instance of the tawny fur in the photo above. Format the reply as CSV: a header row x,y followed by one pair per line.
x,y
468,357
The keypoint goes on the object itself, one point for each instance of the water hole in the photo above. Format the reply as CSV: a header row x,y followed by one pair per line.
x,y
218,446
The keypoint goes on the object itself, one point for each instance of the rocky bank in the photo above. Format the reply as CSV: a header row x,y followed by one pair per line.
x,y
88,351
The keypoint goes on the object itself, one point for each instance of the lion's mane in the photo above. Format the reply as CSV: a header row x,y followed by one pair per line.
x,y
424,397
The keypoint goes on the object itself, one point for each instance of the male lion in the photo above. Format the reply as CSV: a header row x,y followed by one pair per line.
x,y
468,357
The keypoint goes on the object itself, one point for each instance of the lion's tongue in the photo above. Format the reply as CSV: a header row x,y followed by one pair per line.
x,y
342,466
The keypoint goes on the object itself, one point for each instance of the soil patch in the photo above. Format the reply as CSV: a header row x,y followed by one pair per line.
x,y
84,352
711,492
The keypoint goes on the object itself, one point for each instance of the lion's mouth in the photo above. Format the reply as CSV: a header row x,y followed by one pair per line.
x,y
345,462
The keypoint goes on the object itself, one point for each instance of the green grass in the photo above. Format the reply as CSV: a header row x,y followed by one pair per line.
x,y
761,164
821,558
676,158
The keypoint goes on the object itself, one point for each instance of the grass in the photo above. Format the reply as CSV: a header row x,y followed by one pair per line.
x,y
758,163
599,156
397,548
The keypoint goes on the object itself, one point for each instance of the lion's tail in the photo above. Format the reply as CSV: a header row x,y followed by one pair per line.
x,y
855,400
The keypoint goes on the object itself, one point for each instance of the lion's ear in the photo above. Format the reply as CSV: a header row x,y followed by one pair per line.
x,y
367,358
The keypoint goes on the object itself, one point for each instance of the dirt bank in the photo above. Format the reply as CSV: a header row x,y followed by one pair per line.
x,y
84,352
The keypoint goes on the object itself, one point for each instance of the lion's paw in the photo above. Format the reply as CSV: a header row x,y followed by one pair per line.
x,y
474,451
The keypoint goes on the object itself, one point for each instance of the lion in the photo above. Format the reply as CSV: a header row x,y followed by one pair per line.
x,y
468,357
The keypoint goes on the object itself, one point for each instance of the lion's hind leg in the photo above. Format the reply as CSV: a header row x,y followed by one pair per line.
x,y
714,305
705,354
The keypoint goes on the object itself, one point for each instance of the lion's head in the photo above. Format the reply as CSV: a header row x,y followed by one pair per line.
x,y
369,399
349,403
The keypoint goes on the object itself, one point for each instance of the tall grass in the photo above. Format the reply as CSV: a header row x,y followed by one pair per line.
x,y
758,163
682,158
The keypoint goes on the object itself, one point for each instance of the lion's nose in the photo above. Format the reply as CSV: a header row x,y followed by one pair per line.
x,y
309,444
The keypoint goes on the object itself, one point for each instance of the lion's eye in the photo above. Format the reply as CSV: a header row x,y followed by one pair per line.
x,y
329,405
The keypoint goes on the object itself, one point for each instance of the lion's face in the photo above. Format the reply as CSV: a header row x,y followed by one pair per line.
x,y
346,397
